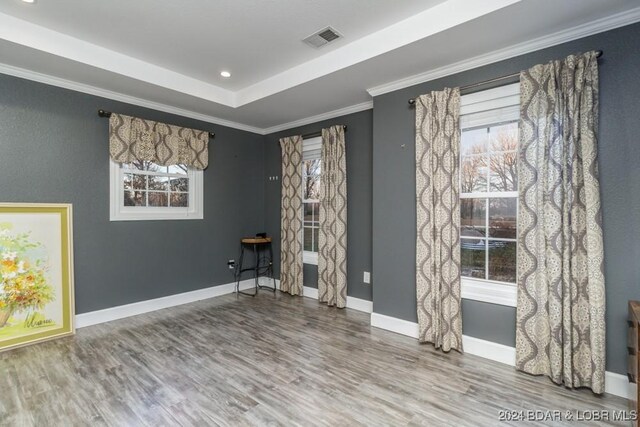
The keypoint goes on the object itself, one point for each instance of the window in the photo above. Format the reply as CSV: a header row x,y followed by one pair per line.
x,y
311,168
147,191
489,194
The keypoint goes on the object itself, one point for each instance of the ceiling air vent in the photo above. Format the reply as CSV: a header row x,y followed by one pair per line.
x,y
322,37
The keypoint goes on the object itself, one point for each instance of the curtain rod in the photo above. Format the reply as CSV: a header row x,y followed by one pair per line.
x,y
313,134
412,101
316,134
107,114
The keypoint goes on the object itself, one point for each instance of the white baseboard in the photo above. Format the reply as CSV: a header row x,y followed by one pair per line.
x,y
352,303
619,385
136,308
393,324
360,304
489,350
310,292
615,384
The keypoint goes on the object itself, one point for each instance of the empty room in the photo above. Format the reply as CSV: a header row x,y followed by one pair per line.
x,y
319,212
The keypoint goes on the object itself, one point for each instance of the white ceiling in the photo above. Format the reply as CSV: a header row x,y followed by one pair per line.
x,y
169,57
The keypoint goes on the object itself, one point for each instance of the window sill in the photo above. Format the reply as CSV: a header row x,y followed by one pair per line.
x,y
153,214
491,292
310,258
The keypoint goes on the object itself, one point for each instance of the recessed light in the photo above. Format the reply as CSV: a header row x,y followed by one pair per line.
x,y
225,74
29,1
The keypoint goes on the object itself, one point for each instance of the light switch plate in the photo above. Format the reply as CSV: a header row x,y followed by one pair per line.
x,y
366,277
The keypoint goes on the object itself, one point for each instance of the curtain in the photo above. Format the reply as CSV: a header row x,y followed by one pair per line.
x,y
291,216
438,219
332,236
561,291
134,139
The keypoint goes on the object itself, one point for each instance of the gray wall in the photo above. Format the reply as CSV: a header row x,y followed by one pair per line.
x,y
359,158
54,148
619,156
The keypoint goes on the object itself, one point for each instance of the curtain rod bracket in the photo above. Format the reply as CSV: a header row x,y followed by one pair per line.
x,y
107,114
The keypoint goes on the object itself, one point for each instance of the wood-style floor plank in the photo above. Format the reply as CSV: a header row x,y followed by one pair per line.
x,y
269,360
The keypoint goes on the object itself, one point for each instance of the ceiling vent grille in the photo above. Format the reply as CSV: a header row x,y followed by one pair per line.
x,y
322,37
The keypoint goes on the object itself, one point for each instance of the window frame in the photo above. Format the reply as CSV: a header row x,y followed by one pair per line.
x,y
119,212
490,107
310,150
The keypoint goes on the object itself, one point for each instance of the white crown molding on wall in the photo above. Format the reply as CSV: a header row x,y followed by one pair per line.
x,y
580,31
426,23
320,117
116,96
584,30
431,21
34,36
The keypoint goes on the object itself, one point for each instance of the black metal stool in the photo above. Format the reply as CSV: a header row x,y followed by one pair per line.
x,y
263,266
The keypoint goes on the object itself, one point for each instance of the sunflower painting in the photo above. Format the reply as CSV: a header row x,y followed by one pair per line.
x,y
36,285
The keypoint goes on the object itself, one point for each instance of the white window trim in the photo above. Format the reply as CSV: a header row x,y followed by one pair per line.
x,y
490,107
311,150
489,291
119,212
309,257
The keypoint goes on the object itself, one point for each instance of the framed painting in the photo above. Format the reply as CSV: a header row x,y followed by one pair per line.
x,y
36,273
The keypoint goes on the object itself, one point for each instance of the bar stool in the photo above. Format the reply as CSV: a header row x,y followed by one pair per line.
x,y
263,267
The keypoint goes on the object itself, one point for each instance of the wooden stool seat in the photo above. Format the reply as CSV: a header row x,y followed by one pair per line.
x,y
255,240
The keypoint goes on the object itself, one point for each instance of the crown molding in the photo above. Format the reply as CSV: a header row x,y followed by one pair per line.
x,y
116,96
320,117
434,20
578,32
37,37
583,30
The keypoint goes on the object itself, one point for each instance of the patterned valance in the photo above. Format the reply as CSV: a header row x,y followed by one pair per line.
x,y
134,139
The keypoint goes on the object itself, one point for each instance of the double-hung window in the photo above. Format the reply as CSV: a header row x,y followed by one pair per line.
x,y
489,194
311,169
144,190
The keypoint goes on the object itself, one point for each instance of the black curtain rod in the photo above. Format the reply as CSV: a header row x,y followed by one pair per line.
x,y
316,134
412,101
107,114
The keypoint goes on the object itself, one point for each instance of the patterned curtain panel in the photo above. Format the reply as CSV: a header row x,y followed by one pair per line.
x,y
291,216
561,297
438,219
332,236
133,139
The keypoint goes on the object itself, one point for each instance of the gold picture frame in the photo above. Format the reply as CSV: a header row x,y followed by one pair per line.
x,y
36,273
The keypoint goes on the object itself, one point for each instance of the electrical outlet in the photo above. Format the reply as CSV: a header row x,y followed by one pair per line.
x,y
232,264
366,278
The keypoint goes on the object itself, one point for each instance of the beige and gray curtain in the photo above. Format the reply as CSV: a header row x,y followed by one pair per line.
x,y
438,219
561,291
291,216
332,236
133,139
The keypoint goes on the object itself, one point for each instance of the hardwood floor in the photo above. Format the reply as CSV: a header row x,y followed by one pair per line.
x,y
269,360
